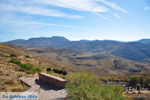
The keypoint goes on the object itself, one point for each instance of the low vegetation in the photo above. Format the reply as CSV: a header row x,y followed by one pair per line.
x,y
85,86
58,71
15,61
142,80
28,68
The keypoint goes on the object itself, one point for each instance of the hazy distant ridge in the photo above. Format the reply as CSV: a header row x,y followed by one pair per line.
x,y
137,51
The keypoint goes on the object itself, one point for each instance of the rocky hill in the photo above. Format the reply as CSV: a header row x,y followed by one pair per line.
x,y
12,62
99,63
134,51
71,60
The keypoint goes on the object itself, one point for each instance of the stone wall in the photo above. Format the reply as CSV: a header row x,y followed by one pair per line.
x,y
53,80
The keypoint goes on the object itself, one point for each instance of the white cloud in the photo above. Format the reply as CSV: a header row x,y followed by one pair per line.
x,y
37,10
147,8
81,5
44,7
117,16
33,25
94,6
104,17
114,6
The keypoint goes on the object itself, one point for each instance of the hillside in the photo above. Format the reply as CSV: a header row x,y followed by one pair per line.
x,y
70,60
10,69
134,51
137,51
73,60
39,58
98,63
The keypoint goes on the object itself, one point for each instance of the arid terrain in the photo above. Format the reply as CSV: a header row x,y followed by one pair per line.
x,y
18,61
99,63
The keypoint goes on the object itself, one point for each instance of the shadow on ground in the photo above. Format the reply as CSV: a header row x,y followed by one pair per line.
x,y
46,86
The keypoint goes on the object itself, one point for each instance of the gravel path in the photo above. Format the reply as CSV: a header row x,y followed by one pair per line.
x,y
45,90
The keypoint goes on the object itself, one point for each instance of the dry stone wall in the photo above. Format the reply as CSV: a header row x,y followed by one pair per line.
x,y
53,80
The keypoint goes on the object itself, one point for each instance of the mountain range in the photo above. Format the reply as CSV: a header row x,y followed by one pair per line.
x,y
135,50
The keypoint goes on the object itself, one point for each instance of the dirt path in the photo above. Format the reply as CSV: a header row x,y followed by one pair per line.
x,y
45,90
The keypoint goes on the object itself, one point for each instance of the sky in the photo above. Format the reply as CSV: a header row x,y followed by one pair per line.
x,y
123,20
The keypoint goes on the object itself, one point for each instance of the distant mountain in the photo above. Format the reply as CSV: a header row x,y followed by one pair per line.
x,y
61,42
42,42
137,51
145,41
134,51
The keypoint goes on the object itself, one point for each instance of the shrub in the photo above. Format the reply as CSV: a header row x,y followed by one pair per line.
x,y
85,86
15,61
28,68
6,55
49,69
112,92
27,56
60,71
13,55
134,80
36,69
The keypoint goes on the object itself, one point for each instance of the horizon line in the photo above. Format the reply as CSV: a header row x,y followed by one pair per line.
x,y
75,40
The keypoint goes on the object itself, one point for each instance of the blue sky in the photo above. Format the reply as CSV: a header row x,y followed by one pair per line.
x,y
124,20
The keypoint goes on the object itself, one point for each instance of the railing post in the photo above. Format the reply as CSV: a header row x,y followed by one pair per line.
x,y
148,87
138,87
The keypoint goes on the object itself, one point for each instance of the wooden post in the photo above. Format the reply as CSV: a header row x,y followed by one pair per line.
x,y
148,87
138,87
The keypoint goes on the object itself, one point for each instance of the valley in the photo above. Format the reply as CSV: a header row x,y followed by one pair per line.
x,y
99,63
